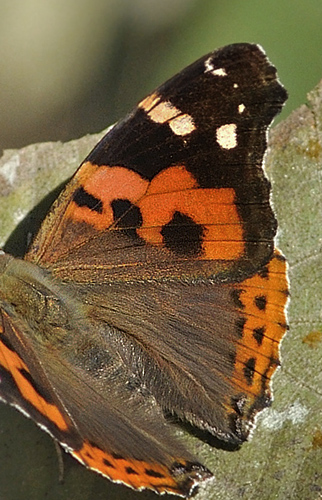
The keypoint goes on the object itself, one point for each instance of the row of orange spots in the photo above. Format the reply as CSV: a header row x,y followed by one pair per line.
x,y
272,319
129,471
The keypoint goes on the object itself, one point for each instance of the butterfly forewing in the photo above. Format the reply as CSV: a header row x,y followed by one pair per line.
x,y
168,180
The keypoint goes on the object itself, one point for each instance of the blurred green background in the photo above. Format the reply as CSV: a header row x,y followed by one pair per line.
x,y
73,67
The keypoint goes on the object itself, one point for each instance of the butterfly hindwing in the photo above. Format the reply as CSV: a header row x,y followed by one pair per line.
x,y
90,423
232,330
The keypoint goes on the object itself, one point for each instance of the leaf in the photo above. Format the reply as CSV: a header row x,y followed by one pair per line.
x,y
282,461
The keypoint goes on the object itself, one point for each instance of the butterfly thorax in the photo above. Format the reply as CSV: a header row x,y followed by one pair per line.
x,y
27,291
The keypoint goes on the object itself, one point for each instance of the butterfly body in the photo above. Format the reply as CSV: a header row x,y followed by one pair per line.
x,y
154,286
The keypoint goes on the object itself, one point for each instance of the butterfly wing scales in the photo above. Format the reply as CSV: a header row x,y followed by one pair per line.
x,y
26,388
164,203
142,167
166,234
236,345
125,448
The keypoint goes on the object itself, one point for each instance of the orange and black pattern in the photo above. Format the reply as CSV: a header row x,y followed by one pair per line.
x,y
154,286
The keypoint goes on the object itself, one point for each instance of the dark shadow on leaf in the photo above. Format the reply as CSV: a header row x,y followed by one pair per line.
x,y
205,436
18,242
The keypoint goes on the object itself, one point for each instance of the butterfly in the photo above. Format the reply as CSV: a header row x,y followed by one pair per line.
x,y
153,288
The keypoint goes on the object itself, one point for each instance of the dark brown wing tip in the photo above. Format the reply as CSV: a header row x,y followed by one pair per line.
x,y
189,476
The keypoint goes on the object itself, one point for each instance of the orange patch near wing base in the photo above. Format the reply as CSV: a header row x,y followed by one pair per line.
x,y
106,184
11,362
135,473
172,190
264,297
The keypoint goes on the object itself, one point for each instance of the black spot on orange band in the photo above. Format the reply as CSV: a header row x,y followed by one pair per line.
x,y
108,463
131,471
154,473
235,295
280,257
264,273
258,334
240,325
183,236
84,199
260,302
127,217
249,370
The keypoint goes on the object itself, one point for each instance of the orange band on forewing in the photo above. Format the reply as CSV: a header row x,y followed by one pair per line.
x,y
172,190
172,180
134,473
106,184
176,190
14,364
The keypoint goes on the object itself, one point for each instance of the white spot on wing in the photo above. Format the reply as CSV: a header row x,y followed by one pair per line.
x,y
226,136
215,71
219,72
182,125
241,108
149,102
165,112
